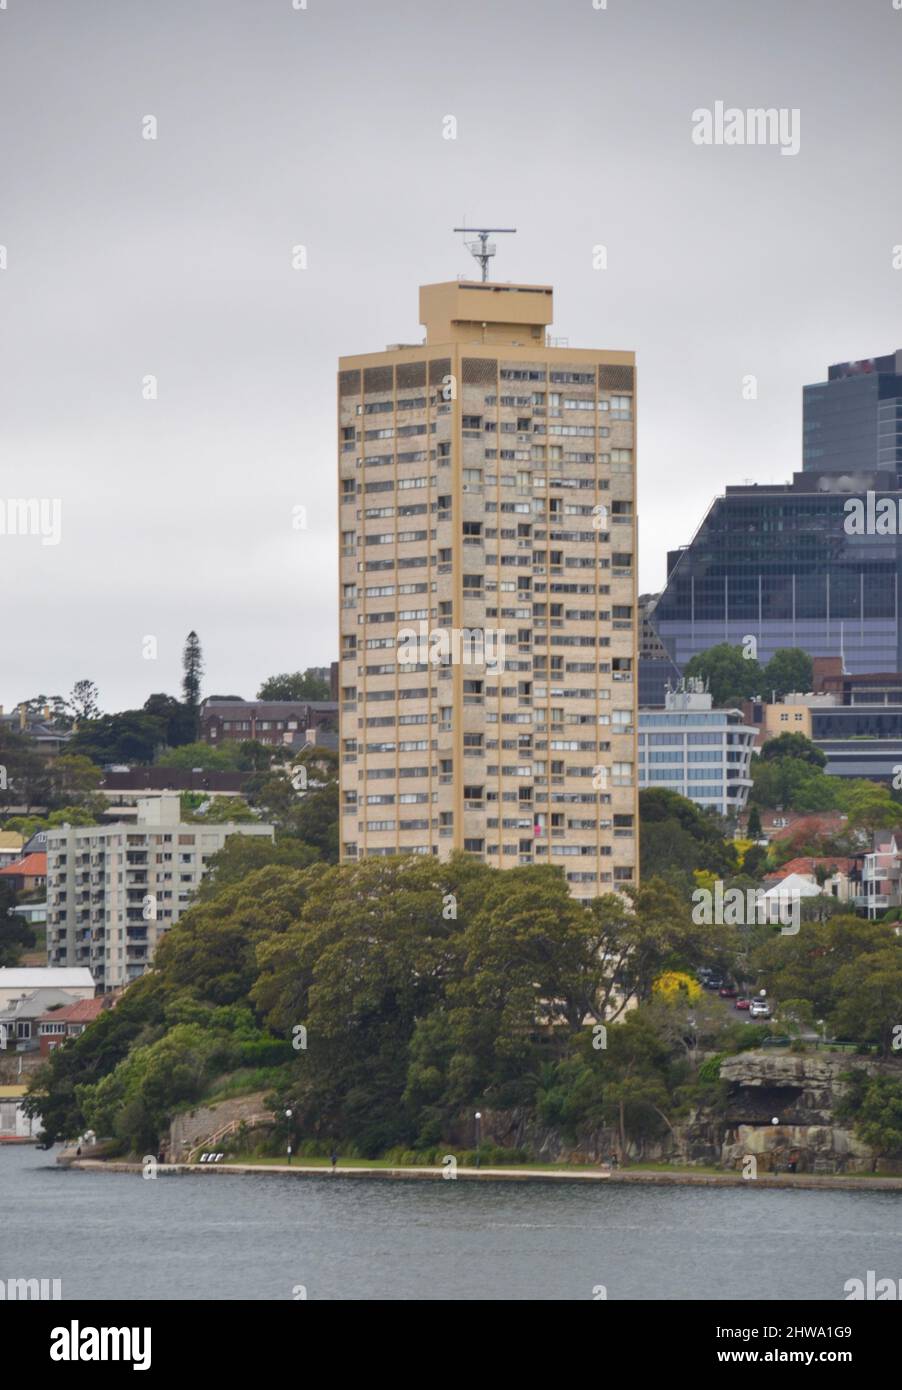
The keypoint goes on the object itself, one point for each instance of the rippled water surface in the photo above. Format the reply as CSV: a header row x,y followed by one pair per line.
x,y
112,1235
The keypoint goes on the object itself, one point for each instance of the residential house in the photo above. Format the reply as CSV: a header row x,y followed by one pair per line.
x,y
57,1025
19,1028
833,875
16,980
15,1126
27,875
880,886
10,847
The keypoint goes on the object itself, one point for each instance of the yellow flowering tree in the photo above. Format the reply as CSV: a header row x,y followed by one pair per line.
x,y
675,985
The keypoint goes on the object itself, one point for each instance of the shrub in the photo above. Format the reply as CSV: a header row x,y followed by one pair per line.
x,y
709,1071
265,1052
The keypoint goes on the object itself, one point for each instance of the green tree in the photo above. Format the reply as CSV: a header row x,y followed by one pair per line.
x,y
822,964
128,737
789,670
179,721
677,836
295,685
225,757
133,1102
211,952
730,675
870,806
793,784
193,669
868,997
90,811
302,800
793,746
754,829
755,861
24,779
874,1105
16,935
72,778
371,956
633,1072
84,701
56,707
138,1017
241,855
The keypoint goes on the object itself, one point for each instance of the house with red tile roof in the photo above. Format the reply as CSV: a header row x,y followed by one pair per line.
x,y
797,826
56,1025
836,875
27,874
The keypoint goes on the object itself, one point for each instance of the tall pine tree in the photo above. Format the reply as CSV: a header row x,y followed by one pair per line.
x,y
193,667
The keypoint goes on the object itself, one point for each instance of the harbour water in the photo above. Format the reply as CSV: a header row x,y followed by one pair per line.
x,y
271,1236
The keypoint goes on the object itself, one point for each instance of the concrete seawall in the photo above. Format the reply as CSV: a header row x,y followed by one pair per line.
x,y
677,1179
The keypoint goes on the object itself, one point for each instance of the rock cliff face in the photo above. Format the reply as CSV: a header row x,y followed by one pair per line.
x,y
800,1091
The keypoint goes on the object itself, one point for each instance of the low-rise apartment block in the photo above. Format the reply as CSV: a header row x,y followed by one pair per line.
x,y
114,890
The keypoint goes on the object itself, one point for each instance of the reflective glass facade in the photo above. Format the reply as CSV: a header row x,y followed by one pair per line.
x,y
853,420
776,563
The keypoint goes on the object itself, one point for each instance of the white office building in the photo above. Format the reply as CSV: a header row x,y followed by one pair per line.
x,y
700,752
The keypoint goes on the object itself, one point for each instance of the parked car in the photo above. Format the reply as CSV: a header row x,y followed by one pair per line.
x,y
728,992
759,1008
741,1003
713,982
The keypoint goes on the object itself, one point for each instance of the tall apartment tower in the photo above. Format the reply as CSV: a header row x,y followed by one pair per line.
x,y
487,507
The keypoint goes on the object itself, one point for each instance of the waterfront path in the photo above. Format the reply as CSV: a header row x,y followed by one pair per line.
x,y
679,1177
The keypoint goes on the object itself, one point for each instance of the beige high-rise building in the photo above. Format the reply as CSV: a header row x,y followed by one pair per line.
x,y
488,592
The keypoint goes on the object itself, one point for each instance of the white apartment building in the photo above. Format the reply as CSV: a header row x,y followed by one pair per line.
x,y
487,501
114,890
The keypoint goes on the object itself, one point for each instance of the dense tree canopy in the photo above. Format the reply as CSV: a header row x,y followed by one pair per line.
x,y
793,746
731,675
295,685
677,837
131,736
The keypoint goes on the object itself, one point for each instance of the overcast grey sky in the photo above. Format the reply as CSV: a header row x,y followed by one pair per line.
x,y
324,127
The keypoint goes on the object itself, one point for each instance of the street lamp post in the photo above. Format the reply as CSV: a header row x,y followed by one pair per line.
x,y
478,1118
288,1114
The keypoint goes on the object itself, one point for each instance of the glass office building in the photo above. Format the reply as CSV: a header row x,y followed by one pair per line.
x,y
776,562
852,422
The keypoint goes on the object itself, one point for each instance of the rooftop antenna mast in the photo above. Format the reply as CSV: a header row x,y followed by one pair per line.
x,y
482,249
